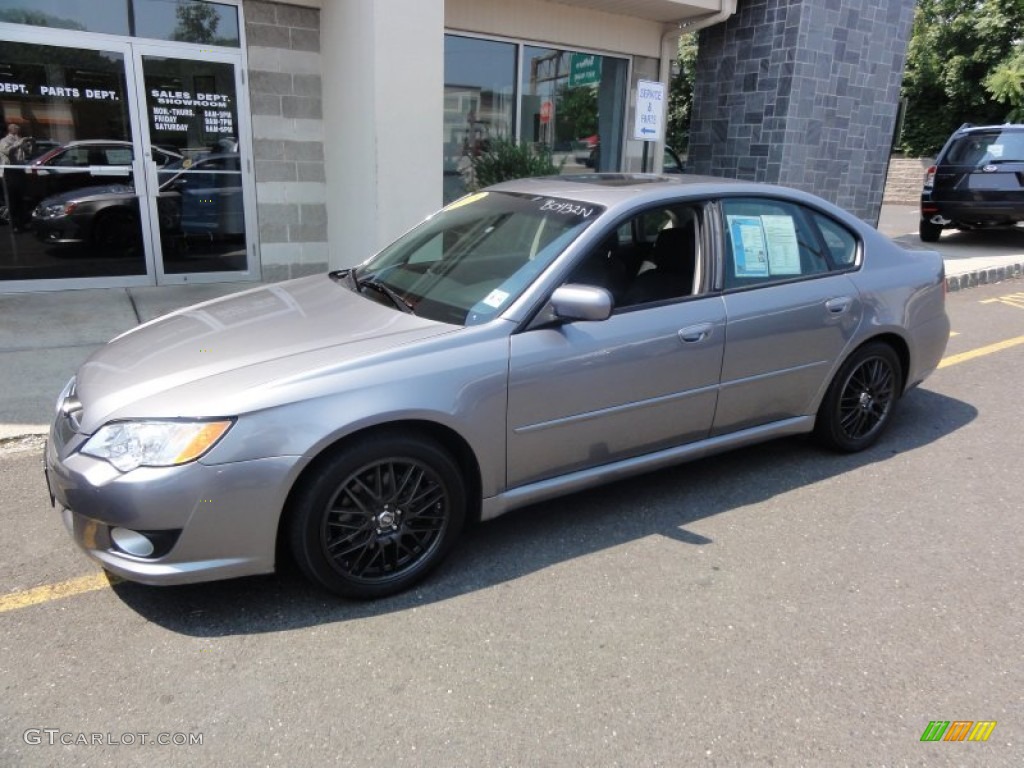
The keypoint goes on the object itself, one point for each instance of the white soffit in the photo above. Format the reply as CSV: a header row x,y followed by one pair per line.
x,y
663,11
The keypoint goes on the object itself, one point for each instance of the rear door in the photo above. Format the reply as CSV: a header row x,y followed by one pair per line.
x,y
791,309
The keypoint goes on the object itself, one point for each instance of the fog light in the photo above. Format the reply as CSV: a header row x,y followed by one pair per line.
x,y
132,542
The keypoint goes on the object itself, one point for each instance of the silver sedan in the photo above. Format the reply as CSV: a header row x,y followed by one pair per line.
x,y
527,341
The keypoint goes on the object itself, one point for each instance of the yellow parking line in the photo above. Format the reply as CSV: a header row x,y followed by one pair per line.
x,y
48,592
999,346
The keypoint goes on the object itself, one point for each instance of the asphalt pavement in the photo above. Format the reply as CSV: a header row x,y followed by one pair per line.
x,y
46,336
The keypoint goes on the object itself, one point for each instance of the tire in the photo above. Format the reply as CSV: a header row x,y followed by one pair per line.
x,y
928,232
376,517
860,400
116,231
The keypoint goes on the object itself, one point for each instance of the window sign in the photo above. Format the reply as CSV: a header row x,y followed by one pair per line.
x,y
749,251
764,245
584,69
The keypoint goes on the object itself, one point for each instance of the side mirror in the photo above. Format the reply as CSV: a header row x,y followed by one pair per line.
x,y
581,302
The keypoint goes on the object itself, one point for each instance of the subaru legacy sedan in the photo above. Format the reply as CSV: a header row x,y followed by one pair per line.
x,y
527,341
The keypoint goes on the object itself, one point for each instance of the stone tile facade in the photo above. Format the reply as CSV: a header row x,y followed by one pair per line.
x,y
802,93
284,79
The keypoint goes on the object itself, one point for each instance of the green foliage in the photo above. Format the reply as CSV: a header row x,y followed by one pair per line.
x,y
680,95
576,116
1006,84
504,159
956,45
197,22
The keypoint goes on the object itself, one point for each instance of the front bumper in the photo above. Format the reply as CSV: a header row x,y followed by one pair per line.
x,y
220,521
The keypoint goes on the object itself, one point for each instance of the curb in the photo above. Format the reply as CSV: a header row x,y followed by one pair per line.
x,y
985,276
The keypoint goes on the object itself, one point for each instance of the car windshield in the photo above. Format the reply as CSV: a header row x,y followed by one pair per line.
x,y
988,148
472,259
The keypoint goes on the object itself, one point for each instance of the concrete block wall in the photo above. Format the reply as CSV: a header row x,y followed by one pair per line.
x,y
285,92
803,93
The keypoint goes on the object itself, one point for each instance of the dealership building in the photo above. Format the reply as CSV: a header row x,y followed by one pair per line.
x,y
179,141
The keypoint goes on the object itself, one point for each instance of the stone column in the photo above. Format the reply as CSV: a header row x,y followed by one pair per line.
x,y
803,93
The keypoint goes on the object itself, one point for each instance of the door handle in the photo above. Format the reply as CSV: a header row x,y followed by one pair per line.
x,y
695,333
838,305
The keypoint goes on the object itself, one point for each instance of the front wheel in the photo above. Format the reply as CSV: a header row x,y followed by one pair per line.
x,y
929,232
378,516
859,402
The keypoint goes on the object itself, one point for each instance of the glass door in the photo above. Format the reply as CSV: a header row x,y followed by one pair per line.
x,y
69,166
199,188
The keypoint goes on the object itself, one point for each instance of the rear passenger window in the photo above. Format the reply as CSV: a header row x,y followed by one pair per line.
x,y
841,244
769,241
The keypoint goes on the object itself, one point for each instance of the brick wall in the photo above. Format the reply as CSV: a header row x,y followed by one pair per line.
x,y
284,78
903,184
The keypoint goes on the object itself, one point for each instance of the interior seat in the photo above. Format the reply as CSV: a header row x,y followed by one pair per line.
x,y
674,259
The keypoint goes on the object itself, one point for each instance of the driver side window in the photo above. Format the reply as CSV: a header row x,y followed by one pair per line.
x,y
652,257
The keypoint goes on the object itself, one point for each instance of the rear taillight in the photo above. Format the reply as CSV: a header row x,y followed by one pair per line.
x,y
929,178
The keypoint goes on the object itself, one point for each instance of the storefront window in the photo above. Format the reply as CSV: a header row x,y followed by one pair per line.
x,y
69,205
186,21
479,103
575,104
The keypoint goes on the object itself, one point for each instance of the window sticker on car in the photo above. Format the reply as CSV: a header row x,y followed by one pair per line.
x,y
495,298
995,150
749,251
567,208
783,250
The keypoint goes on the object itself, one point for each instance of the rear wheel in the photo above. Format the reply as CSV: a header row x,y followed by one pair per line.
x,y
860,400
928,231
378,516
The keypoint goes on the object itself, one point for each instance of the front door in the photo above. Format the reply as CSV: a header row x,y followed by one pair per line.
x,y
589,393
200,201
122,163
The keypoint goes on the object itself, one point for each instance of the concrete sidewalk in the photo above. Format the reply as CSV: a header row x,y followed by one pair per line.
x,y
45,337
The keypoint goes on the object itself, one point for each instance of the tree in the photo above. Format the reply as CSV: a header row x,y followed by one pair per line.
x,y
1006,84
197,22
576,116
680,94
954,47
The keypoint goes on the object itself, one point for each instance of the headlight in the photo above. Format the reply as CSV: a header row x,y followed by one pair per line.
x,y
53,211
131,444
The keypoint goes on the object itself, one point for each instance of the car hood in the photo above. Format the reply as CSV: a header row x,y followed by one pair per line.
x,y
207,359
84,193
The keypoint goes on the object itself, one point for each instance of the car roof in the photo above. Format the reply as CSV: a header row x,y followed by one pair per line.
x,y
613,190
967,128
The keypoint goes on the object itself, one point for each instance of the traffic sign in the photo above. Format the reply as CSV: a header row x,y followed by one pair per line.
x,y
546,108
650,111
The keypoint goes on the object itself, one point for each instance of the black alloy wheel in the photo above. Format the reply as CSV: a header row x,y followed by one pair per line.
x,y
377,517
860,401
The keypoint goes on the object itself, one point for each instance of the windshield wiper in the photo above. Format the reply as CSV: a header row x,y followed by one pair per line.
x,y
379,287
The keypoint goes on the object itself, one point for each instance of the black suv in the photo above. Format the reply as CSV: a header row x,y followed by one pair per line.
x,y
977,181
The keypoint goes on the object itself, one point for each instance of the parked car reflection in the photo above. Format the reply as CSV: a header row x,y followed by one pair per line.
x,y
70,167
197,197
